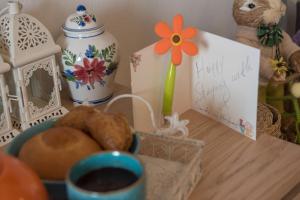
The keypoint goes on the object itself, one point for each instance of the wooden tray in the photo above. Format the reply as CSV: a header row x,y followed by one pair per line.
x,y
173,166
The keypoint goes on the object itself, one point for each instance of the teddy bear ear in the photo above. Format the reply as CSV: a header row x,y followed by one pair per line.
x,y
248,6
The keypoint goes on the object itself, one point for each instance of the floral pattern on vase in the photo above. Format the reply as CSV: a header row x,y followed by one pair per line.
x,y
91,72
84,19
95,66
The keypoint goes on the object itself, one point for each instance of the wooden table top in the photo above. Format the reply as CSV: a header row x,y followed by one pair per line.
x,y
235,167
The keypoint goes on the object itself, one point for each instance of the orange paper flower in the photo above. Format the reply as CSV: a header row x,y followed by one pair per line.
x,y
177,39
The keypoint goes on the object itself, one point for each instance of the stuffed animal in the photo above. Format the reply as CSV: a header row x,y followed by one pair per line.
x,y
258,27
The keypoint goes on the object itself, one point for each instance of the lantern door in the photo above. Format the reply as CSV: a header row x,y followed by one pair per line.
x,y
39,93
7,133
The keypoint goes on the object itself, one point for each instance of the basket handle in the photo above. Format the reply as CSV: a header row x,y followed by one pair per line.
x,y
175,124
149,107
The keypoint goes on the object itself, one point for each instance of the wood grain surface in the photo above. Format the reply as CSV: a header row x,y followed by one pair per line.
x,y
237,168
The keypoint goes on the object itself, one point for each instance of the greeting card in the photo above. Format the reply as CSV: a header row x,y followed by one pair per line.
x,y
220,81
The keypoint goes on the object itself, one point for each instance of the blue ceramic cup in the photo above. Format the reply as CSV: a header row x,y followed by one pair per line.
x,y
114,159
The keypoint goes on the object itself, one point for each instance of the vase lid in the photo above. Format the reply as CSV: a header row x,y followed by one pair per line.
x,y
82,21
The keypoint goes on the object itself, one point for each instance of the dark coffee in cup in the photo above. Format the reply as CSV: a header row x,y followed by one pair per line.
x,y
106,179
107,176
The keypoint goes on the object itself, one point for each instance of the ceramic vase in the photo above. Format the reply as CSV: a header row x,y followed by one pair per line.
x,y
89,58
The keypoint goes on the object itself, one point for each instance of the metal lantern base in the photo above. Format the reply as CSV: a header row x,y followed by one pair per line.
x,y
51,115
8,137
54,114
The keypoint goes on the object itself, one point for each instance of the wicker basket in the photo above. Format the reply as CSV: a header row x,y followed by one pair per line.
x,y
268,120
173,166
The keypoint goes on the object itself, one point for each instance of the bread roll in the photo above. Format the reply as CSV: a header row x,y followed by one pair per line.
x,y
122,121
76,118
111,131
52,153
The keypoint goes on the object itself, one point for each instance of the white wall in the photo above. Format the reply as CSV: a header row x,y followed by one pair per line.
x,y
132,21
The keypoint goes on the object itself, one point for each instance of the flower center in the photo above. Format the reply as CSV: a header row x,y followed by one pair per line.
x,y
90,71
280,64
176,39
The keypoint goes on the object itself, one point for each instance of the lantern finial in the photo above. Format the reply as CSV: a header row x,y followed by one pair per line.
x,y
14,7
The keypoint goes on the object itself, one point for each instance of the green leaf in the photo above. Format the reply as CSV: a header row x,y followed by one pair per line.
x,y
69,57
74,59
71,79
270,43
96,53
68,63
269,35
103,53
113,65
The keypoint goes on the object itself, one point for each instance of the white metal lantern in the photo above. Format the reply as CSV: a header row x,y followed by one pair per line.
x,y
7,132
33,81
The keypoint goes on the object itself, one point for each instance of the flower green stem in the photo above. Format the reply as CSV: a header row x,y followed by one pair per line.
x,y
169,90
297,111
